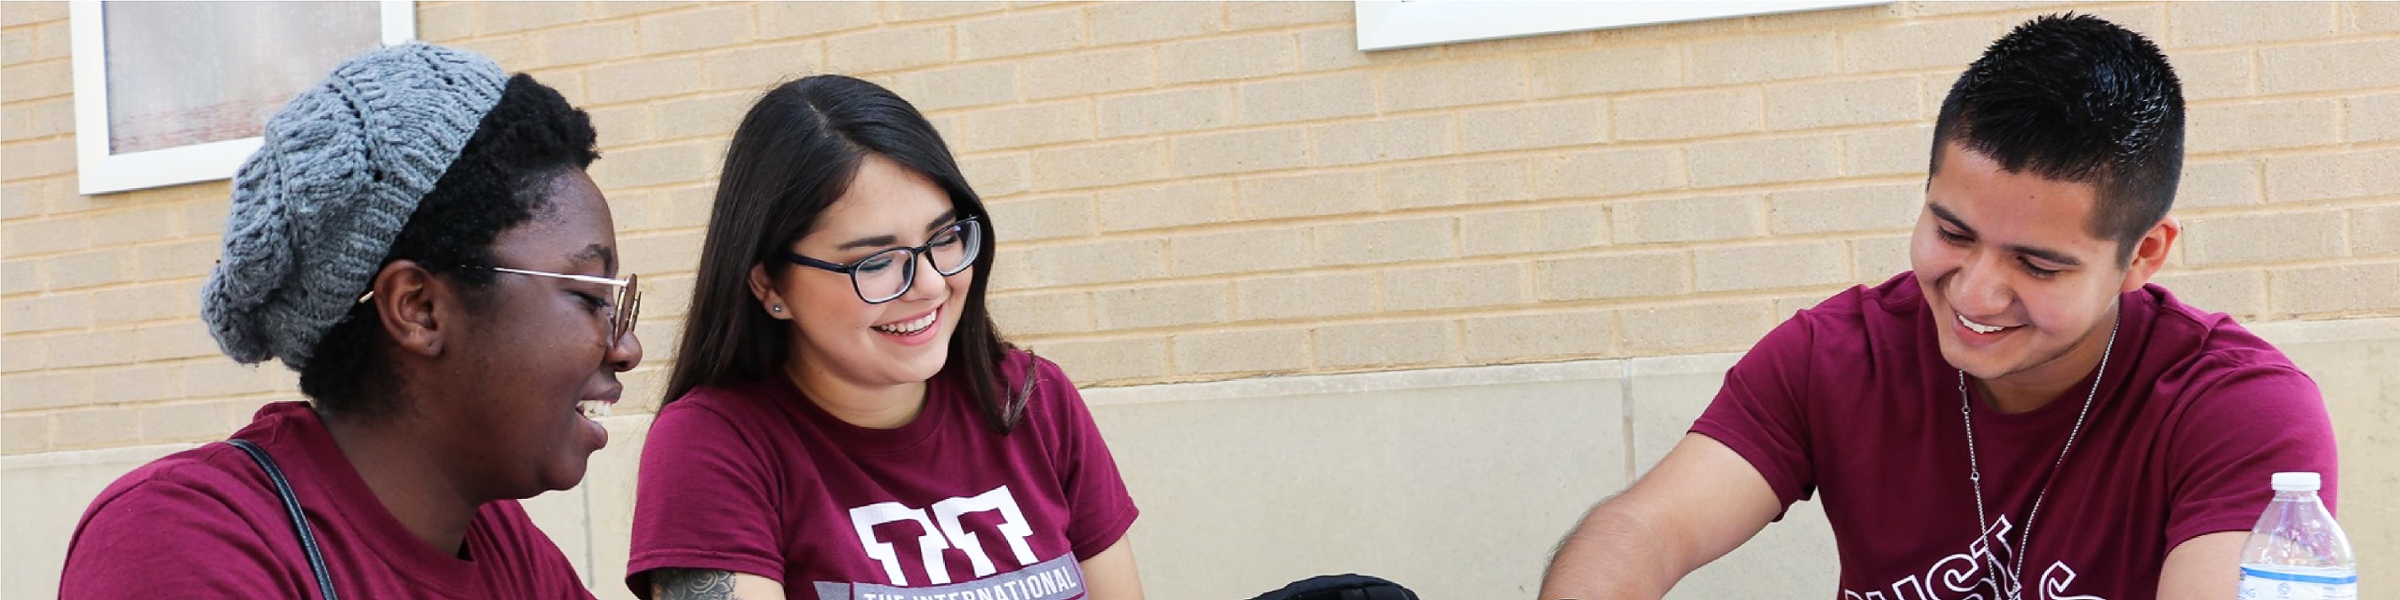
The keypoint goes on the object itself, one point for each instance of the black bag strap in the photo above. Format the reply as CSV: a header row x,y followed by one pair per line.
x,y
291,505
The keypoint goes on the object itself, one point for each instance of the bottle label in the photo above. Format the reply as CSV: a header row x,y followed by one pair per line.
x,y
2275,585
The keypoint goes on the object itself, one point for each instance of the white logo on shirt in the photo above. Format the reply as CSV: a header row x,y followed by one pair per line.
x,y
1965,575
946,535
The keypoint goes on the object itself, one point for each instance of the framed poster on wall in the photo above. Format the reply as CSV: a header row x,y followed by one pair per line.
x,y
177,92
1392,24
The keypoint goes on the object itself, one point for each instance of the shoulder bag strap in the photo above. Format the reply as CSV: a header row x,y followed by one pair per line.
x,y
291,505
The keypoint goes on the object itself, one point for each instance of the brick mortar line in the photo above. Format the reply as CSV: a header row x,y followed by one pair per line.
x,y
1414,213
1418,162
2320,262
14,143
51,334
2265,98
1529,258
101,369
1530,153
48,215
1238,375
2333,149
2334,315
2254,267
30,25
1312,124
1533,103
1768,296
181,401
2312,262
184,401
69,94
1661,300
78,216
1761,135
104,287
49,411
2330,39
1616,313
116,327
37,63
2287,207
293,391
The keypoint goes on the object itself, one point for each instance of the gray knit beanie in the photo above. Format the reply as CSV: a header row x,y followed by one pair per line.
x,y
342,168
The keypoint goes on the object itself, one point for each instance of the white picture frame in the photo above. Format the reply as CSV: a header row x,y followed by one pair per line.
x,y
1394,24
101,170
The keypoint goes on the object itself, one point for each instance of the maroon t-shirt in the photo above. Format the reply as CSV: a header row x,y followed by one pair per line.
x,y
1851,400
754,478
207,523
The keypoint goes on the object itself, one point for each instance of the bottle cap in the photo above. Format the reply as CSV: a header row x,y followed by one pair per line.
x,y
2297,481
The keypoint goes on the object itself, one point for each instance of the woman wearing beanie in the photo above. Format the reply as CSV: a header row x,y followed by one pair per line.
x,y
419,240
844,420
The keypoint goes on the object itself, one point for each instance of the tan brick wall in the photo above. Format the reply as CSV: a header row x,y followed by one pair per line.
x,y
1197,191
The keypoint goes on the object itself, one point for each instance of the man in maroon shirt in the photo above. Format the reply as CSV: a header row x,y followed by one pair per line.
x,y
2022,415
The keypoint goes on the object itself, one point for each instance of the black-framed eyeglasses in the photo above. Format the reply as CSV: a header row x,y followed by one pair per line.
x,y
886,274
624,306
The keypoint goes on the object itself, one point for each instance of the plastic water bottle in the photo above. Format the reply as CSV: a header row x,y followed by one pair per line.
x,y
2297,552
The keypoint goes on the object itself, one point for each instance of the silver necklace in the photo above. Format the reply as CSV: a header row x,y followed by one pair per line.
x,y
1975,472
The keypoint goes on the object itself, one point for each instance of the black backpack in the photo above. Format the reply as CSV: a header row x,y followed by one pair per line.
x,y
1341,587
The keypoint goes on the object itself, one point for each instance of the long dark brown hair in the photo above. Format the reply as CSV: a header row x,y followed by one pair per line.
x,y
794,155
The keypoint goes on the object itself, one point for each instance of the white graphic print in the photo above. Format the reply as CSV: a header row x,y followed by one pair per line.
x,y
864,519
948,534
1970,575
1012,526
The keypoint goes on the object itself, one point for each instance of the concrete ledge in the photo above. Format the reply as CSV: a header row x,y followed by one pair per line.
x,y
1353,383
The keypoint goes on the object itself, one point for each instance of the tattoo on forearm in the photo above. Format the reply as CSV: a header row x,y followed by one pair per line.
x,y
691,584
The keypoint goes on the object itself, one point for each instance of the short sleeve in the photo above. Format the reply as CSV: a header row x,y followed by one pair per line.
x,y
544,571
1758,413
2234,436
705,499
163,535
1102,510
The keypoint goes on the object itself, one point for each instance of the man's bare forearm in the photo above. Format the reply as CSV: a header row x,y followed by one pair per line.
x,y
1611,555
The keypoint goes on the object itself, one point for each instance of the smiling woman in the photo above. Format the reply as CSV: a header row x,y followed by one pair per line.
x,y
844,419
418,239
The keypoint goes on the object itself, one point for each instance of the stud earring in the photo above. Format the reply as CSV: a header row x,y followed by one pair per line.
x,y
778,308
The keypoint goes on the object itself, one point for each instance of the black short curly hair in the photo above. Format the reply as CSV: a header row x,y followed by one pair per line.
x,y
499,180
2076,98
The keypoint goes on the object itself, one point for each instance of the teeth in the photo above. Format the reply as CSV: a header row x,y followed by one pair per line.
x,y
910,327
1978,327
594,409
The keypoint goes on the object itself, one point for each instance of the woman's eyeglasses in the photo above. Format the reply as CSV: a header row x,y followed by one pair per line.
x,y
624,305
885,275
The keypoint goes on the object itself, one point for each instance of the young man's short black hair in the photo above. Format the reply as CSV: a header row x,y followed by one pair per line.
x,y
2075,98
